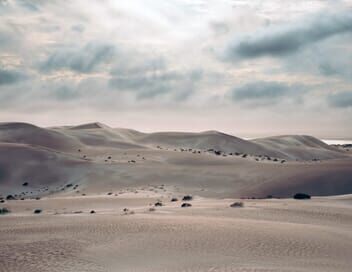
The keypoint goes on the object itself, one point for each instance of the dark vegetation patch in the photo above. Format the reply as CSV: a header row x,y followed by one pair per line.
x,y
187,198
301,196
4,211
237,205
10,197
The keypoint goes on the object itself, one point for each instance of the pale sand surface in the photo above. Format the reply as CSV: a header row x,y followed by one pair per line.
x,y
264,235
93,167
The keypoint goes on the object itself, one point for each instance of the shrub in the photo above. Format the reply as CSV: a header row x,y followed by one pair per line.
x,y
237,205
92,211
25,184
4,210
158,204
301,196
174,199
10,197
186,205
187,198
37,211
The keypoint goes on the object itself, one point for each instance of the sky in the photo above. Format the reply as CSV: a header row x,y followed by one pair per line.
x,y
246,67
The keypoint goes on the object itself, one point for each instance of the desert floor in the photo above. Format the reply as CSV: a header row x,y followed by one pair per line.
x,y
264,235
120,174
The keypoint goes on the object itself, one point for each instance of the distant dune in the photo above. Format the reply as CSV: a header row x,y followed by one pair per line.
x,y
210,163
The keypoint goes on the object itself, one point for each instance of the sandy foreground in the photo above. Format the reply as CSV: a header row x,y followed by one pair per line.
x,y
264,235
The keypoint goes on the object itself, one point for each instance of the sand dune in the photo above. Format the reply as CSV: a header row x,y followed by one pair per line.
x,y
116,158
95,125
97,134
300,147
24,133
66,172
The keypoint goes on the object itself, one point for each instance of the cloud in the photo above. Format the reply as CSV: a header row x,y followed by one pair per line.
x,y
265,92
30,5
82,60
340,100
287,39
8,77
78,28
149,78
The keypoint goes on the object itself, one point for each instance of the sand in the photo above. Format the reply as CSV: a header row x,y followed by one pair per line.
x,y
74,170
264,235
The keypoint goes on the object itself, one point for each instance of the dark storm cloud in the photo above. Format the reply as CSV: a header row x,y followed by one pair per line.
x,y
10,77
83,60
290,38
265,92
340,100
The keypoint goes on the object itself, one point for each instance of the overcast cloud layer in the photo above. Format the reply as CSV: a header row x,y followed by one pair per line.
x,y
247,67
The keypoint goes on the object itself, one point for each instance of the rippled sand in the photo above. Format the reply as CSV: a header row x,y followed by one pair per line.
x,y
264,235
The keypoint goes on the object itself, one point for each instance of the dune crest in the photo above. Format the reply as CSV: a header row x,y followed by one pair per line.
x,y
95,125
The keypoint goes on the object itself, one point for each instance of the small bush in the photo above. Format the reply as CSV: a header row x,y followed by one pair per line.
x,y
301,196
187,198
186,205
4,210
25,184
174,199
37,211
92,211
158,204
10,197
237,205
